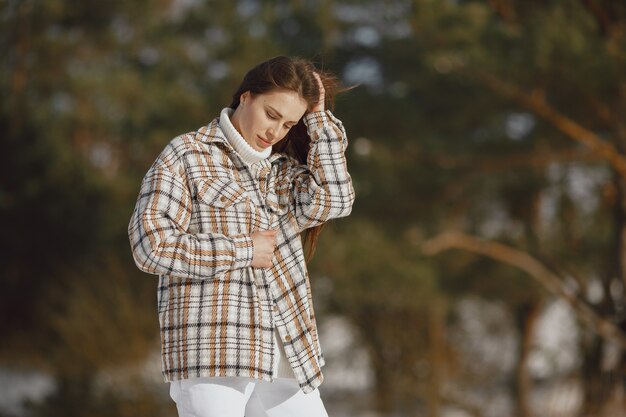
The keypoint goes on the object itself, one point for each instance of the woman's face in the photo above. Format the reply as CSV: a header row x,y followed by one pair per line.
x,y
265,119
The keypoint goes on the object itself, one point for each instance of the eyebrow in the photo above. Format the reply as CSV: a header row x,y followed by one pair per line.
x,y
278,113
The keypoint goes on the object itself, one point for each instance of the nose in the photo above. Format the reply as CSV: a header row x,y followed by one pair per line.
x,y
271,132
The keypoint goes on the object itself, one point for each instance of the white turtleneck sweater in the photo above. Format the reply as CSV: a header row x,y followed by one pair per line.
x,y
251,156
243,148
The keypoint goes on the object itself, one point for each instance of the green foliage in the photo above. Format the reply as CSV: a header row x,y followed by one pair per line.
x,y
92,91
369,268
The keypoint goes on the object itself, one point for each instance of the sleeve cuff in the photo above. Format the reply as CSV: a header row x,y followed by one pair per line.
x,y
244,250
315,123
317,120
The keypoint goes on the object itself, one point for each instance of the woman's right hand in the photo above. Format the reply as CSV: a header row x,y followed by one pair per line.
x,y
322,98
264,243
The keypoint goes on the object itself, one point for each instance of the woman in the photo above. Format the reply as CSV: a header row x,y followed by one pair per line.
x,y
219,218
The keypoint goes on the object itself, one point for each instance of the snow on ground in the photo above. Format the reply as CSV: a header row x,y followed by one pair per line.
x,y
483,334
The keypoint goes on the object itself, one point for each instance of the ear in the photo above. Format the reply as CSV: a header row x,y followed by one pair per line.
x,y
244,96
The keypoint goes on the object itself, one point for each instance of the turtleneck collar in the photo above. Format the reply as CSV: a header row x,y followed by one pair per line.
x,y
243,148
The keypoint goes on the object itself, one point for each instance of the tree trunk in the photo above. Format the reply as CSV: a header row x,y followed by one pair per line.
x,y
528,317
19,76
618,385
436,332
604,381
592,375
370,325
620,304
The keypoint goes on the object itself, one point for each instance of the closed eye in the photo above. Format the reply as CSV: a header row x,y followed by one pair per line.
x,y
276,116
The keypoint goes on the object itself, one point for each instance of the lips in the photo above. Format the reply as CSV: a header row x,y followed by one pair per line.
x,y
268,143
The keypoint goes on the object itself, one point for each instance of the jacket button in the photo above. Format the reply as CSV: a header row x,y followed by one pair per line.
x,y
275,308
287,338
222,199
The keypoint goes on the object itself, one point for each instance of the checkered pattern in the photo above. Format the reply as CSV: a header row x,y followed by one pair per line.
x,y
198,204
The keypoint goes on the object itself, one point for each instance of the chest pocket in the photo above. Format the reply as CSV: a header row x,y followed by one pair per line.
x,y
223,207
220,192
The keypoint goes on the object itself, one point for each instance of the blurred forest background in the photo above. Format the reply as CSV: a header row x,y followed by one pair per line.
x,y
482,272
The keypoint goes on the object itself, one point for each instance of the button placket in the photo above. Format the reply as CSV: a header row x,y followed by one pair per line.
x,y
258,174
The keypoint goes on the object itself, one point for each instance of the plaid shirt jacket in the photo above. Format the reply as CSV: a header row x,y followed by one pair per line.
x,y
198,204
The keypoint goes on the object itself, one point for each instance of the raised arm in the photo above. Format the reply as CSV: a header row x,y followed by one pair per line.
x,y
322,189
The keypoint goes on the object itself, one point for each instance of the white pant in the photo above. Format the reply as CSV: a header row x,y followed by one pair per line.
x,y
239,397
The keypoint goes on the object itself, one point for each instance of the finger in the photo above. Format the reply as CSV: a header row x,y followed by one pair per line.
x,y
319,82
317,77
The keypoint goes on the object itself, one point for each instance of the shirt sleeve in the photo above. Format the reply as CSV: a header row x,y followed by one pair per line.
x,y
322,189
159,239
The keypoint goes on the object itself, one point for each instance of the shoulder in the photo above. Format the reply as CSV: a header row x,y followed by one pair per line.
x,y
192,150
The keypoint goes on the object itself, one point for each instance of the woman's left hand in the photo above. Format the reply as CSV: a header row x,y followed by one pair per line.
x,y
320,103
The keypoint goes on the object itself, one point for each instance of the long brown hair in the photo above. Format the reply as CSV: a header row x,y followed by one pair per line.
x,y
294,74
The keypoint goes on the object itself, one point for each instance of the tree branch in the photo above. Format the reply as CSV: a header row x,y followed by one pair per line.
x,y
537,104
534,268
499,163
479,166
